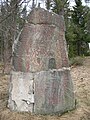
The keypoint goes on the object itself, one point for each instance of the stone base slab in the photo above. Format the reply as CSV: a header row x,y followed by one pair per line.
x,y
44,92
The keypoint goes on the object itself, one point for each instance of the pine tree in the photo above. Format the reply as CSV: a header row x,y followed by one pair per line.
x,y
78,16
48,4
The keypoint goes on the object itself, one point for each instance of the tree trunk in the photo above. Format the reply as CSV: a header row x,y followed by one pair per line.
x,y
78,48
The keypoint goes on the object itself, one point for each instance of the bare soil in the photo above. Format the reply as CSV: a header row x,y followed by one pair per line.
x,y
81,80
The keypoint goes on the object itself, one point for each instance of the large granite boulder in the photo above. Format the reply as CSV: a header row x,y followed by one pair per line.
x,y
40,80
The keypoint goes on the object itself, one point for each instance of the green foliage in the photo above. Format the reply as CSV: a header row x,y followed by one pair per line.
x,y
87,53
48,4
58,5
77,34
76,61
77,25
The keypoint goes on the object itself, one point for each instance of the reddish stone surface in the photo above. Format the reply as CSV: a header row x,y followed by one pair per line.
x,y
53,92
42,40
41,16
42,52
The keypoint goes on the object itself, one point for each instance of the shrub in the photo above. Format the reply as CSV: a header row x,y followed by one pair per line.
x,y
77,61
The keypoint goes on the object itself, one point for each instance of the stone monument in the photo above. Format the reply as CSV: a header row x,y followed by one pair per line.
x,y
40,80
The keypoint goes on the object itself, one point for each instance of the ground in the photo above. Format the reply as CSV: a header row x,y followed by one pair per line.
x,y
81,79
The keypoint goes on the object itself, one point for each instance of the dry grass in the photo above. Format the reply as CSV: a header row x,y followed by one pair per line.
x,y
81,79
